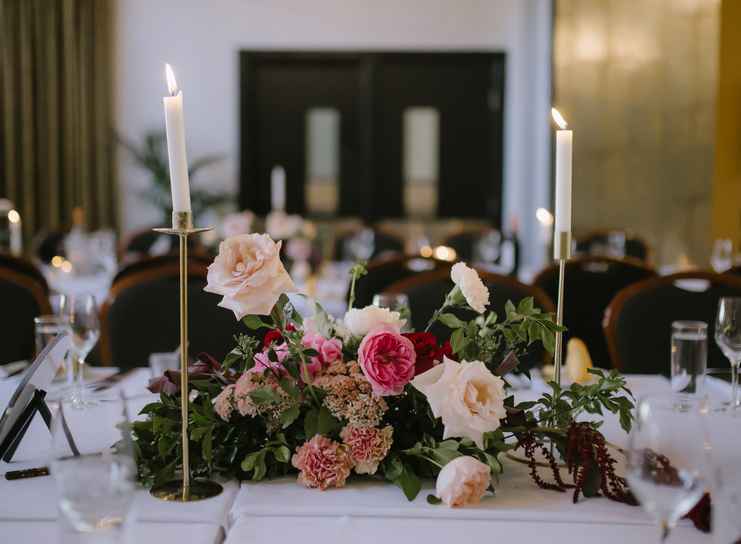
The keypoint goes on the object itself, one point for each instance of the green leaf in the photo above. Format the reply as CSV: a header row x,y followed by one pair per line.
x,y
549,340
322,321
326,422
254,323
458,341
510,310
282,454
409,483
261,468
311,423
432,499
393,467
264,395
525,306
289,386
289,416
451,321
207,445
248,464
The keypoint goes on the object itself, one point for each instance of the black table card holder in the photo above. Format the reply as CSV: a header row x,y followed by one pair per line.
x,y
29,399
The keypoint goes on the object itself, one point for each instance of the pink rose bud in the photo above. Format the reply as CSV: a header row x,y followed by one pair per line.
x,y
464,480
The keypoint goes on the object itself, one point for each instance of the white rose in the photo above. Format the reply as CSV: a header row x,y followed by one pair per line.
x,y
248,273
464,480
361,321
473,289
466,396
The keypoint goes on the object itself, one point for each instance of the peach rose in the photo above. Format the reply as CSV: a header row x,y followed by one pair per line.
x,y
464,480
248,273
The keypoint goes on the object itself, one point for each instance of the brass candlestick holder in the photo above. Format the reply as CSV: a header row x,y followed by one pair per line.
x,y
184,490
562,252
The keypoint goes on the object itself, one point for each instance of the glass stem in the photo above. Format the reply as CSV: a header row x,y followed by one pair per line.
x,y
734,384
665,529
80,385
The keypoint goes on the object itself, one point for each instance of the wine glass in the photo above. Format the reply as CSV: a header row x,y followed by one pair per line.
x,y
92,463
666,457
728,338
396,302
85,330
722,256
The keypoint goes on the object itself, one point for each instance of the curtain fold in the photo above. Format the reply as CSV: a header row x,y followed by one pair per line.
x,y
56,145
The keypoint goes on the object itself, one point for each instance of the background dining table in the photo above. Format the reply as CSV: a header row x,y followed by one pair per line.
x,y
364,511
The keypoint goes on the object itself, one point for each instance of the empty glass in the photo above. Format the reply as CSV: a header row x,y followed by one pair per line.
x,y
46,328
93,465
396,302
689,356
728,338
666,457
722,256
85,330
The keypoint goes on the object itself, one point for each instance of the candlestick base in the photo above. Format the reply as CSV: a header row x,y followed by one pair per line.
x,y
198,490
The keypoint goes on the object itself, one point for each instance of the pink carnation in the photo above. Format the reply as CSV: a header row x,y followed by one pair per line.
x,y
368,446
263,362
323,463
387,360
225,402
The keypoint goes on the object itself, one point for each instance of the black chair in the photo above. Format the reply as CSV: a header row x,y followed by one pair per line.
x,y
155,263
384,272
49,244
590,285
597,242
140,244
427,291
638,321
140,316
24,296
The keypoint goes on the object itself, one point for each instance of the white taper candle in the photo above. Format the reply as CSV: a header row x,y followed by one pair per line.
x,y
175,126
564,147
278,189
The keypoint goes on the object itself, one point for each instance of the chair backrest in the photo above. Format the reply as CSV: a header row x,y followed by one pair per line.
x,y
464,242
24,296
25,268
595,243
141,316
638,320
384,272
589,286
155,263
139,244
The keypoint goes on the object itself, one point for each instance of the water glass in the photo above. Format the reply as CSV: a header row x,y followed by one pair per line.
x,y
728,338
396,302
666,458
93,466
47,327
722,427
159,362
85,330
689,356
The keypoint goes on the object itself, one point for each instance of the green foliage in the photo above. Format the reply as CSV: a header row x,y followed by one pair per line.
x,y
242,357
356,272
151,155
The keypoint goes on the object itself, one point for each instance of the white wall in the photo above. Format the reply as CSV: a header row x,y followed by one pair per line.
x,y
201,40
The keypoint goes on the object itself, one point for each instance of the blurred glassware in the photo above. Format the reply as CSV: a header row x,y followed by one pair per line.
x,y
722,427
487,247
728,338
159,362
721,258
396,302
359,246
666,458
47,327
616,244
718,385
96,480
85,330
689,356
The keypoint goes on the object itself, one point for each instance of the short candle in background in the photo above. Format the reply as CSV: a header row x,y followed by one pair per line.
x,y
278,189
564,145
175,126
16,233
545,220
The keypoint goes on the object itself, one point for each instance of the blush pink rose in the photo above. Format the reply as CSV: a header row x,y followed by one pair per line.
x,y
464,480
387,360
248,273
329,351
263,362
323,463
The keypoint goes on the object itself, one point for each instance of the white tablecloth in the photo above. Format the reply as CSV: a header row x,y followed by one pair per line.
x,y
280,511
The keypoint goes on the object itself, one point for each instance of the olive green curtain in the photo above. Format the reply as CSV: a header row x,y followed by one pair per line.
x,y
56,146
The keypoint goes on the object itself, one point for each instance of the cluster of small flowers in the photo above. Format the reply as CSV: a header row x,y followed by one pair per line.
x,y
236,397
350,396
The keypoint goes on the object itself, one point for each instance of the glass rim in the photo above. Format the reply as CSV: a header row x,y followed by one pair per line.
x,y
50,318
730,299
689,325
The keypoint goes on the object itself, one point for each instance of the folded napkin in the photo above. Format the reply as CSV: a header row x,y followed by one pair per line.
x,y
578,361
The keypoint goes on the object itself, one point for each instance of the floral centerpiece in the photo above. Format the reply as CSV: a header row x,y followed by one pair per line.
x,y
333,399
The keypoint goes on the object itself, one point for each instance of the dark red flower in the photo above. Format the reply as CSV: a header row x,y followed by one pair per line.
x,y
701,514
446,350
163,384
276,336
427,350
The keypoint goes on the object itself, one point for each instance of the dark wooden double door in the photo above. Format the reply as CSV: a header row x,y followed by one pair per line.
x,y
371,91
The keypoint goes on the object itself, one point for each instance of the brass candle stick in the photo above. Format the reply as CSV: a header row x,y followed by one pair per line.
x,y
184,489
562,252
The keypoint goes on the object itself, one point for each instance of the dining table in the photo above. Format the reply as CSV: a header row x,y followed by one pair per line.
x,y
365,511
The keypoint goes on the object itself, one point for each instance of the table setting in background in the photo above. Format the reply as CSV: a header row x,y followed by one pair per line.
x,y
337,423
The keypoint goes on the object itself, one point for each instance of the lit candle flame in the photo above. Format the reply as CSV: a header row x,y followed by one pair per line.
x,y
544,217
14,216
558,118
172,85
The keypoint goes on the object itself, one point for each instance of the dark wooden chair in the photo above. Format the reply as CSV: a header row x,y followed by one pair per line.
x,y
638,320
384,272
139,244
140,316
426,292
596,242
25,296
590,285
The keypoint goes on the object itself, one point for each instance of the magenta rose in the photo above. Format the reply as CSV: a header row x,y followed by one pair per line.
x,y
387,360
